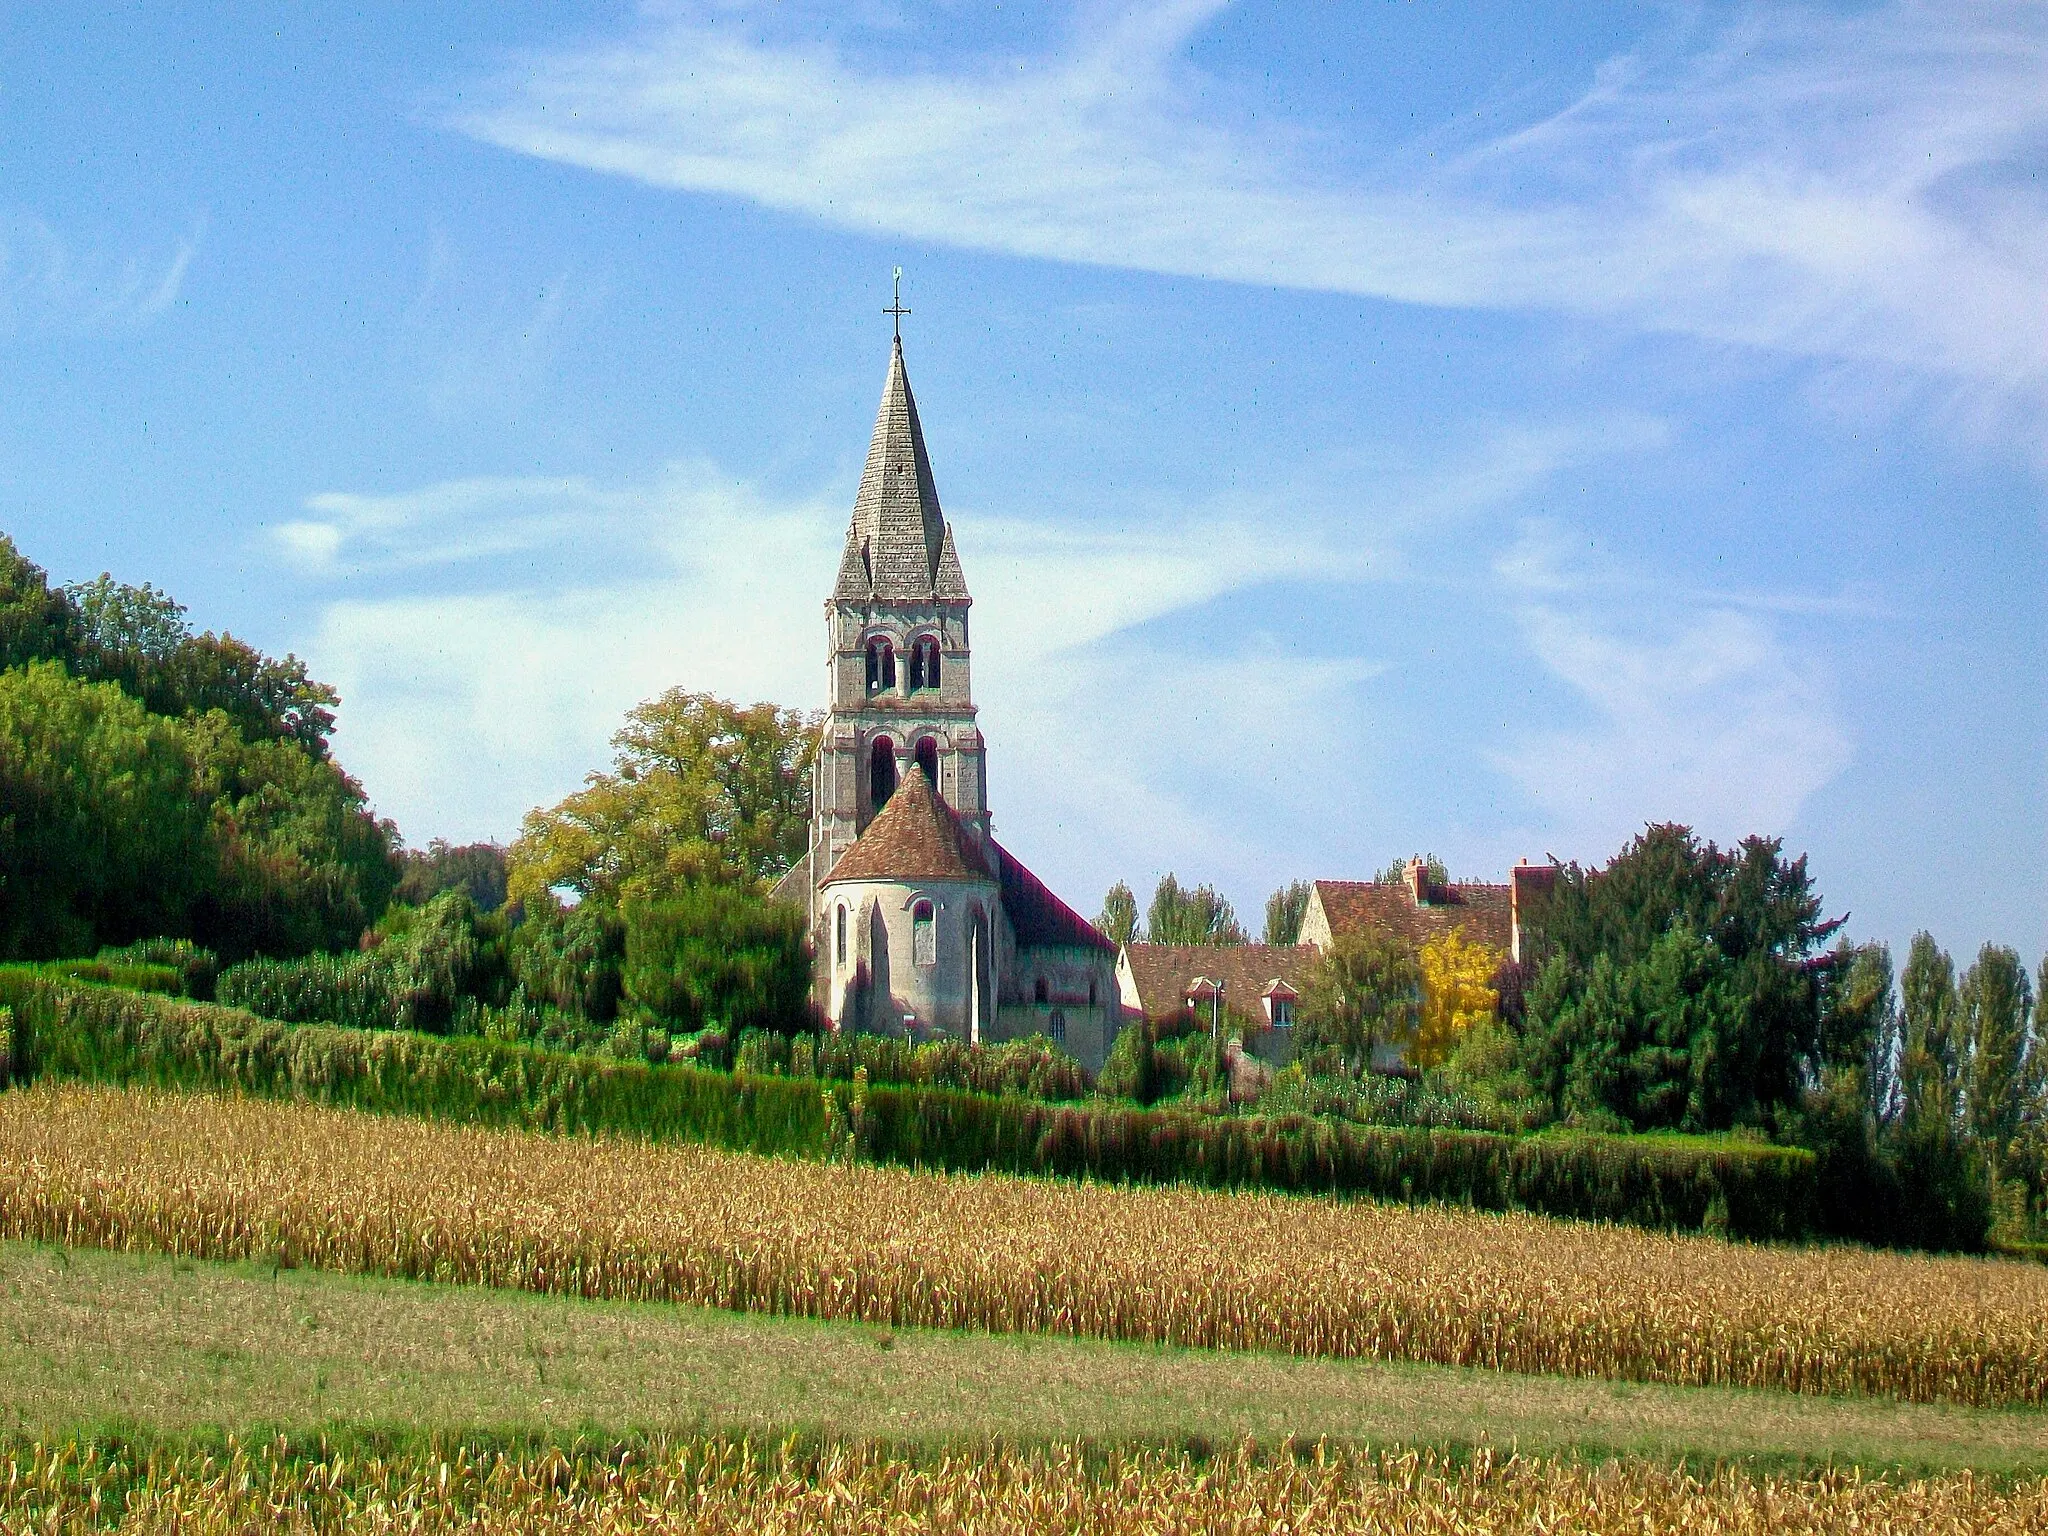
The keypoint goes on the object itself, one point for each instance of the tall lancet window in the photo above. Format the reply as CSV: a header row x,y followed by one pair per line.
x,y
924,938
924,664
881,772
881,666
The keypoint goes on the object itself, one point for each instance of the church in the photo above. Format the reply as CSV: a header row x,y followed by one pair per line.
x,y
921,923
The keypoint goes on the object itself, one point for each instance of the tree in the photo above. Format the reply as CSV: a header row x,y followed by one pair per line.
x,y
1190,916
102,839
478,868
1930,1054
35,622
1681,986
570,957
701,789
1364,992
1396,873
1457,993
1285,909
1119,920
1861,1026
302,862
1997,1004
718,954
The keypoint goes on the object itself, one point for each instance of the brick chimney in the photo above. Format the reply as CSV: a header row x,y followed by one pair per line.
x,y
1525,882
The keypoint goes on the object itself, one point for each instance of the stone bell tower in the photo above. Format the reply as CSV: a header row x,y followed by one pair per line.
x,y
896,626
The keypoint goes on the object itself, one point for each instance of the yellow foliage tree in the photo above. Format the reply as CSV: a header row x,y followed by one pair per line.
x,y
1457,992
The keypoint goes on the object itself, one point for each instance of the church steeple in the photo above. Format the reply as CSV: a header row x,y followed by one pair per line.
x,y
902,689
897,544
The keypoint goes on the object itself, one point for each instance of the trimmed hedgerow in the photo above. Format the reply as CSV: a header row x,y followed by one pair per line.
x,y
67,1029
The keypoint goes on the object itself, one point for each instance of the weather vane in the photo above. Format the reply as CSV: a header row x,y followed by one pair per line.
x,y
897,308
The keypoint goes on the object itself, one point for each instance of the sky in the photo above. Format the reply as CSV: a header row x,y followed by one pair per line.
x,y
1368,430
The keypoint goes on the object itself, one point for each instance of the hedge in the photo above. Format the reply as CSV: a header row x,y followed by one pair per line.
x,y
69,1029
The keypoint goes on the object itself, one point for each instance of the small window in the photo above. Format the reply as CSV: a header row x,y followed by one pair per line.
x,y
1283,1013
1091,991
1041,992
1056,1027
924,944
839,934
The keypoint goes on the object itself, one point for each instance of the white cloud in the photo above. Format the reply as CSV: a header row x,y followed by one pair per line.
x,y
464,710
1846,187
46,282
1704,716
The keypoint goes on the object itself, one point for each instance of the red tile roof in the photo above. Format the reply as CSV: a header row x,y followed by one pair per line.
x,y
917,836
1360,906
1039,918
1163,973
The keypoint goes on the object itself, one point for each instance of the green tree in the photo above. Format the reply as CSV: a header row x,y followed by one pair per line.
x,y
1680,986
1190,915
1930,1054
1860,1026
101,838
1999,1058
718,954
571,958
478,868
701,789
35,622
1396,873
1365,992
1285,909
1118,921
301,861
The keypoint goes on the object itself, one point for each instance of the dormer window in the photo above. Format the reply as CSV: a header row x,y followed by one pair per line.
x,y
924,663
1283,1012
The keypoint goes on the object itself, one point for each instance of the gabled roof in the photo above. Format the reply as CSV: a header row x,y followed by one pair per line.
x,y
1037,917
916,836
1164,972
897,543
1361,906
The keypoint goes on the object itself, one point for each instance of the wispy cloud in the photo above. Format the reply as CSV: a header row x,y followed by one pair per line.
x,y
47,282
1860,187
1689,708
466,708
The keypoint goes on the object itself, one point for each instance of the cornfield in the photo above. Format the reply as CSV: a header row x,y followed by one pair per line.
x,y
227,1178
718,1485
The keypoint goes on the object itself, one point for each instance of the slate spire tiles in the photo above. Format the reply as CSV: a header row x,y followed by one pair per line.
x,y
899,542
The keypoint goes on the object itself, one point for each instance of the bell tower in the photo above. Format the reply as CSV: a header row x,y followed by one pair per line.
x,y
896,642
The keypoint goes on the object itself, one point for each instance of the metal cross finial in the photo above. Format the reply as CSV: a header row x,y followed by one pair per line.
x,y
897,308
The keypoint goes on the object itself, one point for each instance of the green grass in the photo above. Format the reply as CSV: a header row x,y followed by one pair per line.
x,y
153,1348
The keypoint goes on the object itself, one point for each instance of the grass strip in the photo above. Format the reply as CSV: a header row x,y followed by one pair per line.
x,y
114,1346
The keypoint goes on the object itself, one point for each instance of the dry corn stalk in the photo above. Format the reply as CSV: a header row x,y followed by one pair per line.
x,y
228,1178
717,1485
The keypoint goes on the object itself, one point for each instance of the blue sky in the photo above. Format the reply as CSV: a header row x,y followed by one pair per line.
x,y
1368,429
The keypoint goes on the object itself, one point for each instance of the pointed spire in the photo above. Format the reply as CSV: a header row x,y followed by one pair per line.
x,y
896,517
949,585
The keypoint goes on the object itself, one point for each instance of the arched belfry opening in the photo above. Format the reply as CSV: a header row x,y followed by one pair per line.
x,y
881,666
928,759
881,772
924,663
